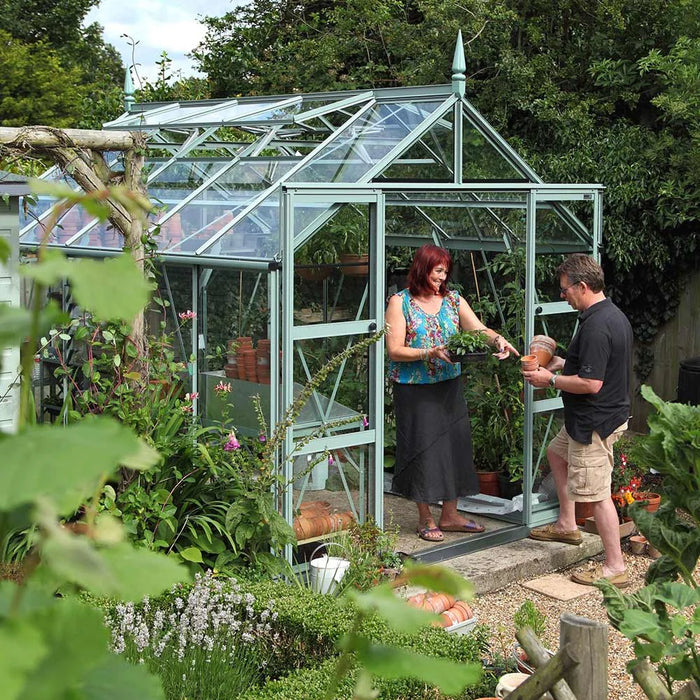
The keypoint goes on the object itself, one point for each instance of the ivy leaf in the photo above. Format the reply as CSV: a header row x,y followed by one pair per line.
x,y
396,612
61,462
111,289
119,571
54,267
117,679
76,640
21,648
439,579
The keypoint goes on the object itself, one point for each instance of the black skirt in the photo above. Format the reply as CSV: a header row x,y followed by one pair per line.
x,y
433,443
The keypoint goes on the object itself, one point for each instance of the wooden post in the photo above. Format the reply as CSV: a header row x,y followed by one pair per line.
x,y
589,640
539,657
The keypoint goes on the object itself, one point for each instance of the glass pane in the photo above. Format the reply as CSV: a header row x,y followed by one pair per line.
x,y
350,157
430,158
216,206
481,161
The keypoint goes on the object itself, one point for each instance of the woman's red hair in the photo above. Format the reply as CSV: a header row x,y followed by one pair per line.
x,y
426,258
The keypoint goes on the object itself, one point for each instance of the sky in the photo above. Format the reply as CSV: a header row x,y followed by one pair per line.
x,y
157,25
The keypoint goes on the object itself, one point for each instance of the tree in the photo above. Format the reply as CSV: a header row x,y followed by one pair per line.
x,y
40,25
35,87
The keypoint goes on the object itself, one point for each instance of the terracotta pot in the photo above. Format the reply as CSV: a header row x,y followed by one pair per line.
x,y
638,544
465,609
583,510
313,273
652,551
529,363
653,500
350,267
488,483
543,347
311,508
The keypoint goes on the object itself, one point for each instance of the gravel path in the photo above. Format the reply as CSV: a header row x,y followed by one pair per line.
x,y
497,609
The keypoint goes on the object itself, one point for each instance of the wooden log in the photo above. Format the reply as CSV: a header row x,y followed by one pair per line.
x,y
652,685
539,657
546,677
50,137
589,640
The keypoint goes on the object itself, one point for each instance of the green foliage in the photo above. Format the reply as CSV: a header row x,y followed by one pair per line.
x,y
35,88
527,615
371,553
311,625
467,342
167,88
59,68
661,618
55,646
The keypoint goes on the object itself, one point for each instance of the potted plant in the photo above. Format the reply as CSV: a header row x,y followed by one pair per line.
x,y
469,346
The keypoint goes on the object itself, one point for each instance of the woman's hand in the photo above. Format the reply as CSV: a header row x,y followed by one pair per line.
x,y
439,352
503,348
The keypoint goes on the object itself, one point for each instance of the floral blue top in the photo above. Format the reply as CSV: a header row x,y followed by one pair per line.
x,y
424,330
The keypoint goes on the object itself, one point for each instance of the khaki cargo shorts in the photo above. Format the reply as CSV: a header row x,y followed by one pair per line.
x,y
590,466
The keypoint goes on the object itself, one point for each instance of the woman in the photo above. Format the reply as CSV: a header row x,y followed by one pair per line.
x,y
433,437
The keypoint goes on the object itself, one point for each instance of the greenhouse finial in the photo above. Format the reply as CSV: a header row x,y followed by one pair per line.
x,y
459,66
128,90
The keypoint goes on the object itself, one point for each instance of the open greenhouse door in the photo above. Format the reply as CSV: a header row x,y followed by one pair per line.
x,y
331,301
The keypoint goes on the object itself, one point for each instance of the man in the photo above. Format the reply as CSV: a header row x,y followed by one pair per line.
x,y
594,384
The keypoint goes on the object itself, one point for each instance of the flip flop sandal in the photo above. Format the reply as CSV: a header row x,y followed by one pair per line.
x,y
430,534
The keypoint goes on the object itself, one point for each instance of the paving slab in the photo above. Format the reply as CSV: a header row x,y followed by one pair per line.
x,y
494,568
558,586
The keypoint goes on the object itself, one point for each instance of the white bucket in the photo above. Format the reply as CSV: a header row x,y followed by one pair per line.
x,y
326,573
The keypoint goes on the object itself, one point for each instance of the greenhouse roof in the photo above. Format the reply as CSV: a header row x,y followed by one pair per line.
x,y
217,168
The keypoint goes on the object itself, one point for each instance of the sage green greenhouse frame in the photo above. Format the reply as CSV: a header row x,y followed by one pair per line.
x,y
260,176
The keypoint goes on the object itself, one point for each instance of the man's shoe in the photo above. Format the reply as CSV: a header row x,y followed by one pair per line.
x,y
547,533
588,578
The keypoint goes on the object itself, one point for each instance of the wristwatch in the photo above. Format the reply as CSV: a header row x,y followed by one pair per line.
x,y
553,381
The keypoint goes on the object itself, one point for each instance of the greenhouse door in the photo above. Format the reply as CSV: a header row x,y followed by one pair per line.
x,y
331,301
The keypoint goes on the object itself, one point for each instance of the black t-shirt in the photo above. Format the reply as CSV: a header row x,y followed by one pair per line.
x,y
600,349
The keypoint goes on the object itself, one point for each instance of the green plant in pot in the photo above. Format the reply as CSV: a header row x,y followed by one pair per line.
x,y
466,346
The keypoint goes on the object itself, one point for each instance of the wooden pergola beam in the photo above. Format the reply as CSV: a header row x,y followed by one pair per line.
x,y
40,137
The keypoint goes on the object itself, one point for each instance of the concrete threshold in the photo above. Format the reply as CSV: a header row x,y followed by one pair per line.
x,y
496,567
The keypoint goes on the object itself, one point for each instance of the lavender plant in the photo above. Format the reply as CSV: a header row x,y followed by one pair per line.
x,y
208,644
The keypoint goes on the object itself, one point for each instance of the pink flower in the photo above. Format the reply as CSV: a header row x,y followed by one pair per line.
x,y
187,315
330,460
231,443
191,397
262,438
222,388
365,422
186,409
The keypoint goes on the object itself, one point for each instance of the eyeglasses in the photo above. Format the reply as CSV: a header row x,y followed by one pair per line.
x,y
564,290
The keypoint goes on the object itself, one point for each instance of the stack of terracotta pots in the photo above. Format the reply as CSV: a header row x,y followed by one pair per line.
x,y
315,519
543,348
245,357
263,361
451,611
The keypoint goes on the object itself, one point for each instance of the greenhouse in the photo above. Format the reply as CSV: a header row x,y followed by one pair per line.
x,y
290,219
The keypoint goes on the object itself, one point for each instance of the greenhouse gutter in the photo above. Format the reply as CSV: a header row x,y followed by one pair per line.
x,y
168,259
